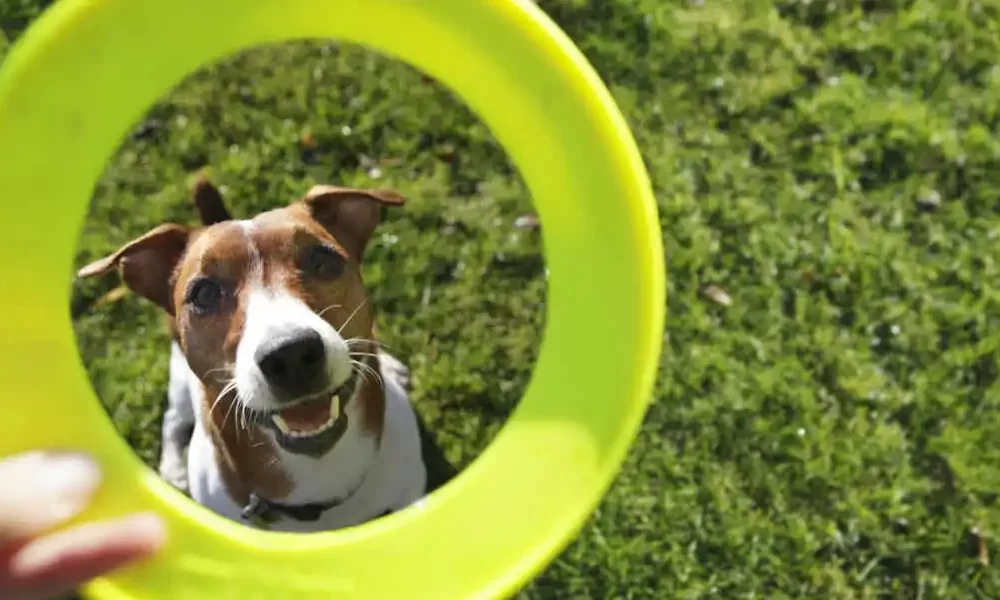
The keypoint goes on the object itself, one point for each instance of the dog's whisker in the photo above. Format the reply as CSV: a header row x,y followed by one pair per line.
x,y
320,313
226,416
363,365
376,343
225,369
230,386
348,321
228,372
239,416
364,369
365,378
244,416
359,369
234,409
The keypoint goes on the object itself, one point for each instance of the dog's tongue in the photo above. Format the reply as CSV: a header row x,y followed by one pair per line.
x,y
308,415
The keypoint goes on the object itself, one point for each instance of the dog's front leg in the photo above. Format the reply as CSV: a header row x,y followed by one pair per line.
x,y
178,422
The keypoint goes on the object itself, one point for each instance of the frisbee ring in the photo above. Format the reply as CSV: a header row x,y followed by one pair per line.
x,y
85,73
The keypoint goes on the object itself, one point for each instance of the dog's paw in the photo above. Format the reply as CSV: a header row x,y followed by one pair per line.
x,y
175,473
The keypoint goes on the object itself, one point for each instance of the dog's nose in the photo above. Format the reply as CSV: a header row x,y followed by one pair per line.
x,y
294,364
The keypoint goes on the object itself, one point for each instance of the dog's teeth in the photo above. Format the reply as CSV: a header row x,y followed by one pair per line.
x,y
335,405
280,423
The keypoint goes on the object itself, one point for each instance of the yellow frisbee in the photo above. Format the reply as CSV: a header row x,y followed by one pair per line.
x,y
85,73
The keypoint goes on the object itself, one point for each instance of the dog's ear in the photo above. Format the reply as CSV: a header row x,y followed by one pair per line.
x,y
147,264
209,202
350,214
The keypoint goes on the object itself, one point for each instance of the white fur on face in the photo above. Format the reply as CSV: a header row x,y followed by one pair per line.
x,y
270,313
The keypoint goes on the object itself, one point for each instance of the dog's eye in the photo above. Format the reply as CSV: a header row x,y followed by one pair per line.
x,y
323,261
205,295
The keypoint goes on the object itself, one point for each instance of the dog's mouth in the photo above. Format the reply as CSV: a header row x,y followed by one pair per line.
x,y
314,424
311,416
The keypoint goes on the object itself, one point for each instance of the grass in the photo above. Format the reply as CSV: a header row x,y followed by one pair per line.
x,y
834,167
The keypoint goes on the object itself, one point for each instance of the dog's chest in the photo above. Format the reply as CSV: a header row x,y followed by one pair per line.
x,y
367,478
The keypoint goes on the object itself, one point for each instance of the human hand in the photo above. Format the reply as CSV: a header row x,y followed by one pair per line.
x,y
41,490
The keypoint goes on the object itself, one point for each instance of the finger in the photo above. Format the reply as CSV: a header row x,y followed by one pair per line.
x,y
61,562
41,489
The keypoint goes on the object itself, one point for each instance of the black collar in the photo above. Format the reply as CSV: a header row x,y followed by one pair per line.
x,y
262,512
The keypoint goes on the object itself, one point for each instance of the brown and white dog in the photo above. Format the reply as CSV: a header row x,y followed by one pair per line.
x,y
297,420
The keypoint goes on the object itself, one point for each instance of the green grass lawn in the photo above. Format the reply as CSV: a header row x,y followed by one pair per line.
x,y
832,430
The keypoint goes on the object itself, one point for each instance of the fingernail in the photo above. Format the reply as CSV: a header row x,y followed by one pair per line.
x,y
149,528
127,538
70,481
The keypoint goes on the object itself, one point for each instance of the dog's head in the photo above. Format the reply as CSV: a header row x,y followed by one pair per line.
x,y
271,312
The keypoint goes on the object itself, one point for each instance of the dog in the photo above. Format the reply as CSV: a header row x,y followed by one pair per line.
x,y
293,417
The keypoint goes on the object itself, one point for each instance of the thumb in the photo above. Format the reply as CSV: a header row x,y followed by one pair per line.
x,y
42,489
